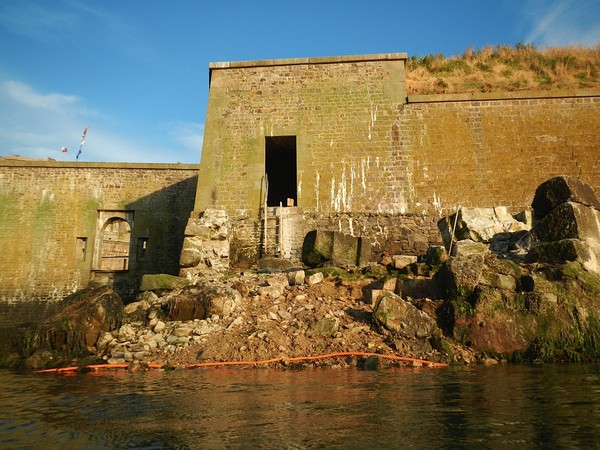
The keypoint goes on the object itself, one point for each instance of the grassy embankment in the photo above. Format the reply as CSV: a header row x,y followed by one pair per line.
x,y
505,68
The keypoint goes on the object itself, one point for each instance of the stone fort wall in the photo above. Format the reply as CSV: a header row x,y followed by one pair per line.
x,y
373,161
52,212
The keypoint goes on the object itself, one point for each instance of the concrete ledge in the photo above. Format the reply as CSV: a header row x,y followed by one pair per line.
x,y
521,95
317,60
17,161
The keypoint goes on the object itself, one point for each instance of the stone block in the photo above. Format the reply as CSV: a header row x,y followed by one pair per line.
x,y
317,247
296,277
274,264
585,251
314,278
401,261
459,276
195,227
436,255
562,189
345,249
371,296
365,251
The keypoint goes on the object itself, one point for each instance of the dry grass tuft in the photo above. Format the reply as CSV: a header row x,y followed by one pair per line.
x,y
505,68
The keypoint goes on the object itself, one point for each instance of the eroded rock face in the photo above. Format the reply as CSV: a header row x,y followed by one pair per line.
x,y
537,312
74,330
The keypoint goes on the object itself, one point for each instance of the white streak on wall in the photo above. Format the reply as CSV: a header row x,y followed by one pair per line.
x,y
342,193
437,203
333,194
299,188
425,172
372,120
317,185
363,175
341,197
350,226
352,178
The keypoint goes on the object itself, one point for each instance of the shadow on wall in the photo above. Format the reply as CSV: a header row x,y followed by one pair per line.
x,y
158,222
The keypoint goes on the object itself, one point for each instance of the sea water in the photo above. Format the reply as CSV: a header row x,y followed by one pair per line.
x,y
502,406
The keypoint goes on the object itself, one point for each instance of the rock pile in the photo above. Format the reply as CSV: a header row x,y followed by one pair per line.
x,y
481,303
547,309
270,315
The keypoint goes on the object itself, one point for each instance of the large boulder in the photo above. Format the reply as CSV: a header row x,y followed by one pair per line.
x,y
202,301
400,317
562,189
478,224
568,220
73,331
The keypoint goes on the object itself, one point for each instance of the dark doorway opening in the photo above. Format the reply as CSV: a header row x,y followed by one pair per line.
x,y
280,168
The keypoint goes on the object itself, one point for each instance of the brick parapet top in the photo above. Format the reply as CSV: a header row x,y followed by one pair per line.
x,y
501,95
317,60
16,161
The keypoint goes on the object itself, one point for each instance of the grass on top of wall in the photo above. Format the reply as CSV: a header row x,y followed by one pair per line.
x,y
505,68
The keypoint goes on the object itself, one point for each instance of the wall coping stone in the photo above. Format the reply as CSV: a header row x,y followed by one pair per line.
x,y
501,95
317,60
18,161
300,61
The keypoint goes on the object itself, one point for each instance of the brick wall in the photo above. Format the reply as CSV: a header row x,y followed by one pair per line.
x,y
373,161
497,148
341,110
48,208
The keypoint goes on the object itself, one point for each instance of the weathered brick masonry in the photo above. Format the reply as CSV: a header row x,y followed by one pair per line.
x,y
52,214
372,161
495,149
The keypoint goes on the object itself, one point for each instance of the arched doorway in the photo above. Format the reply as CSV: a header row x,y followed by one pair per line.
x,y
114,242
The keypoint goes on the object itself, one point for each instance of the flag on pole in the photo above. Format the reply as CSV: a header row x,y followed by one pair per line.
x,y
82,141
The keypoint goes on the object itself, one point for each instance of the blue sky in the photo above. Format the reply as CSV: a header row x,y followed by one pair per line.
x,y
136,71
